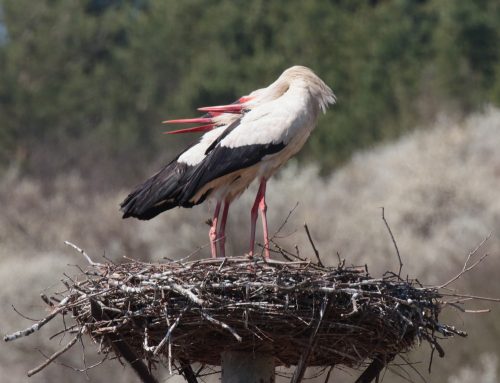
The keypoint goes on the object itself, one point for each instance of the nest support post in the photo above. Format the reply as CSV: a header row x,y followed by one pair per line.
x,y
247,367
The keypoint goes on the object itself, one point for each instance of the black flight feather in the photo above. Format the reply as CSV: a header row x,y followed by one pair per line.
x,y
222,161
159,193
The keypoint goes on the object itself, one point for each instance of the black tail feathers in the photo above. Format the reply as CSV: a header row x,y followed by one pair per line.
x,y
157,194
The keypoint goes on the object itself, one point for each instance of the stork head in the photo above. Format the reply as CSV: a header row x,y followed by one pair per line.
x,y
296,76
302,76
220,115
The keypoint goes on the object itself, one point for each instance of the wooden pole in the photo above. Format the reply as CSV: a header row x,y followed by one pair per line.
x,y
247,367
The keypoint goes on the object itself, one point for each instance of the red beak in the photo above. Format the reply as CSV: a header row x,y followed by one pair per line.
x,y
215,114
231,108
202,128
200,120
244,99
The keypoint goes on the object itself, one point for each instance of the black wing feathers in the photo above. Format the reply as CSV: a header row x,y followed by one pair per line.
x,y
222,161
226,131
157,194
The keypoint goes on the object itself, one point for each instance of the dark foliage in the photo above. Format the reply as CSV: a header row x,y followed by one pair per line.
x,y
89,81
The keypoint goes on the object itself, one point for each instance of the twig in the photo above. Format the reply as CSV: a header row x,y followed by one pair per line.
x,y
56,354
329,373
304,357
431,359
284,222
409,364
46,299
70,329
405,377
187,371
22,315
316,252
194,252
284,253
76,369
354,306
341,263
374,369
81,251
187,293
37,326
146,345
467,268
221,324
480,298
393,241
167,336
121,347
484,311
169,346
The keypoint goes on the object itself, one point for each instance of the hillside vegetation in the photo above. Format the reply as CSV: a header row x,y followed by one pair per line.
x,y
89,81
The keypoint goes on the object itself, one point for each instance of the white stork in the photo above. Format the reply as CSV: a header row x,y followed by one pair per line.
x,y
247,140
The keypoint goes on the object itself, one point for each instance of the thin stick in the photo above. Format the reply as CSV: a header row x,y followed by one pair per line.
x,y
393,241
471,296
284,222
169,332
187,371
169,348
374,368
55,355
300,370
22,315
467,268
329,373
187,293
483,311
37,326
81,251
316,252
84,370
222,324
409,364
196,251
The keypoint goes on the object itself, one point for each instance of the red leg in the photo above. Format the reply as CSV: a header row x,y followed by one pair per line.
x,y
253,216
222,229
212,234
263,211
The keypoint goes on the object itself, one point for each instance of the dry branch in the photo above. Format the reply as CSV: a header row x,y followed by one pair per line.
x,y
55,355
393,241
316,252
467,266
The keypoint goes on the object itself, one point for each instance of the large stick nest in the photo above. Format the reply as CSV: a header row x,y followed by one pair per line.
x,y
195,310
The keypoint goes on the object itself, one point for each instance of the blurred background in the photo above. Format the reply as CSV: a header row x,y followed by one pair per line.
x,y
84,86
